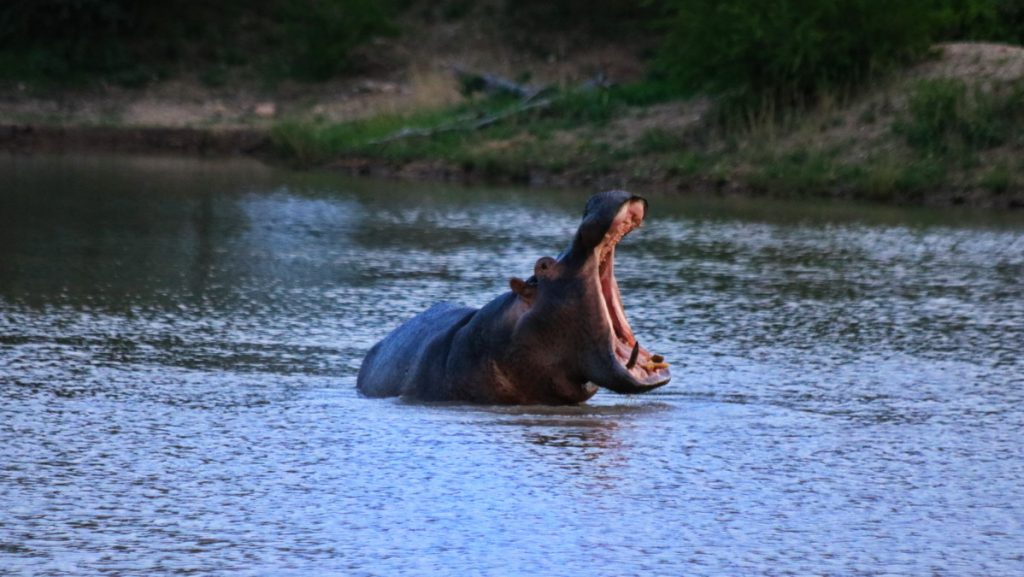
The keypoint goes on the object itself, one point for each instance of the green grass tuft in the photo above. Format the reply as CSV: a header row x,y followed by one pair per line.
x,y
657,141
946,116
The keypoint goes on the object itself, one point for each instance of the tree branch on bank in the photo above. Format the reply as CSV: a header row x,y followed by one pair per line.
x,y
463,124
491,84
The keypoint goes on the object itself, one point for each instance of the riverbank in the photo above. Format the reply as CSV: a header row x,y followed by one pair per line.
x,y
945,132
184,140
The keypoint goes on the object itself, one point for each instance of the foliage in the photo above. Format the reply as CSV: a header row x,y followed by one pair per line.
x,y
798,172
451,136
947,116
131,42
886,179
606,17
780,52
788,51
320,34
998,179
585,107
992,20
657,141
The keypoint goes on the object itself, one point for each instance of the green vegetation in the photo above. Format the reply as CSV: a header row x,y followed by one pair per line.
x,y
450,134
132,43
955,135
999,179
773,55
500,135
588,18
992,20
936,139
319,35
784,78
784,52
948,117
804,171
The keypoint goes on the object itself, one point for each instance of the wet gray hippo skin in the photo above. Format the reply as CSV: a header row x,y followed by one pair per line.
x,y
553,339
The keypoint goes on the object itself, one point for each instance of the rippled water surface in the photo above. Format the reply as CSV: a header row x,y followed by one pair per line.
x,y
179,342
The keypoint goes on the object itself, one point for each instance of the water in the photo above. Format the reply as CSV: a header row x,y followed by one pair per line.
x,y
179,341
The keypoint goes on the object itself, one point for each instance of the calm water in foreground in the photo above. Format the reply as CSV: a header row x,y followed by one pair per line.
x,y
179,342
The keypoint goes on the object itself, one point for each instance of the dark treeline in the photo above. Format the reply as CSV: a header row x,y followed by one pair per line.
x,y
783,50
132,42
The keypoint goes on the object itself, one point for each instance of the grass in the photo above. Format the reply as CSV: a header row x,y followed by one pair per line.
x,y
800,172
998,179
948,117
509,147
943,136
131,44
311,143
807,172
889,180
656,141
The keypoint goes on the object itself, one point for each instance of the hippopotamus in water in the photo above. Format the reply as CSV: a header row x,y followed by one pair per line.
x,y
553,339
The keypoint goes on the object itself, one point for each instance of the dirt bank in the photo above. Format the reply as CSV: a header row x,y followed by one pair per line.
x,y
856,147
201,141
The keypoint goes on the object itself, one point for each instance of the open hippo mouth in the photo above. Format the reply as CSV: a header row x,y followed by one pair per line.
x,y
645,370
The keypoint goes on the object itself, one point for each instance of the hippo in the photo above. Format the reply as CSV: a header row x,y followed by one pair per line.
x,y
553,339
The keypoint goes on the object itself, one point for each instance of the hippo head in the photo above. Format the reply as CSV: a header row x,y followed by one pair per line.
x,y
576,310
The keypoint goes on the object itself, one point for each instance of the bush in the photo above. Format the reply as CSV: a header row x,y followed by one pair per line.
x,y
946,115
126,40
605,17
993,20
320,34
576,107
789,52
934,110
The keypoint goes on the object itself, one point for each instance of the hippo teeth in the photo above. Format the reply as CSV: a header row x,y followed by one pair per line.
x,y
627,349
632,356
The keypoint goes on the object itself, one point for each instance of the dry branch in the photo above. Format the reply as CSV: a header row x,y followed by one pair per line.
x,y
462,124
491,84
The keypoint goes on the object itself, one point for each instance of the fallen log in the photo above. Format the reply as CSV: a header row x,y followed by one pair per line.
x,y
472,82
491,84
462,125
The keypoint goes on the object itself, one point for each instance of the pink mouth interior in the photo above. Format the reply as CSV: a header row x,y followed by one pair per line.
x,y
646,365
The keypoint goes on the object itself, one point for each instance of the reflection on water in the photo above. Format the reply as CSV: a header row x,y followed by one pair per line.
x,y
179,341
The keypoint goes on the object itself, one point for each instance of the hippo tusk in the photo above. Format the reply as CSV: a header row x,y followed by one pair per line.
x,y
633,355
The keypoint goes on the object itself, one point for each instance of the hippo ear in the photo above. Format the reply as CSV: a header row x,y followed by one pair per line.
x,y
524,288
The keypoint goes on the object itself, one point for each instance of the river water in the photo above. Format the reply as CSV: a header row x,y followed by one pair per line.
x,y
179,341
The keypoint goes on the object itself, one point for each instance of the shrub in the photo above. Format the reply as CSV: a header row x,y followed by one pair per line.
x,y
130,41
320,34
657,141
998,179
934,110
798,172
945,115
993,20
788,51
585,106
605,17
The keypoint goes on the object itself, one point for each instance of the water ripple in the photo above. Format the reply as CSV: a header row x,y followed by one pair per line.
x,y
179,342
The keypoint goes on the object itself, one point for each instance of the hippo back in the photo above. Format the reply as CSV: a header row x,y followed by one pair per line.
x,y
411,360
